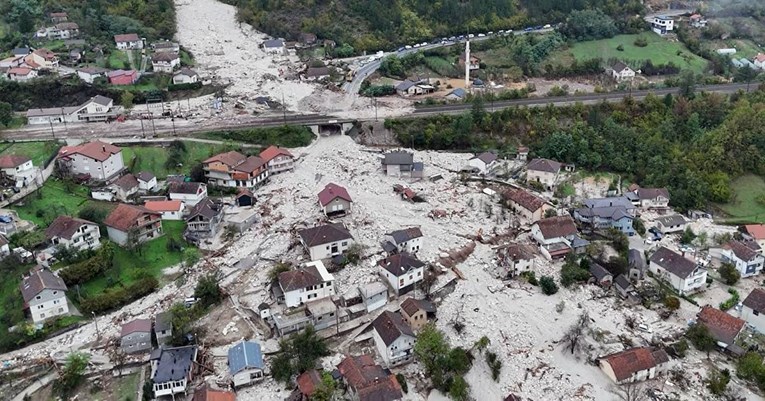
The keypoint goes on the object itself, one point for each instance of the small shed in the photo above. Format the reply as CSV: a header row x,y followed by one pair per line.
x,y
602,277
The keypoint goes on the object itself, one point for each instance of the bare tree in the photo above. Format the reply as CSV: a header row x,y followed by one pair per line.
x,y
117,356
573,338
631,392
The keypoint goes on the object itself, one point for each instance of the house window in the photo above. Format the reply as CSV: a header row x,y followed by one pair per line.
x,y
755,312
345,243
401,282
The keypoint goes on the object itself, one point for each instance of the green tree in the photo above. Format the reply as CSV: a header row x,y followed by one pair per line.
x,y
326,390
745,74
718,381
687,84
191,256
729,274
589,25
73,373
688,236
459,390
6,113
126,100
701,338
548,285
672,303
639,226
208,291
298,354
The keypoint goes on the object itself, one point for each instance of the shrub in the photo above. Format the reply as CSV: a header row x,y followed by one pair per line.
x,y
672,303
495,364
548,285
641,41
620,48
729,274
402,382
530,277
730,302
117,297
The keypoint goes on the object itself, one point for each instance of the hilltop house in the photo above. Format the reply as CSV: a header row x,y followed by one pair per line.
x,y
233,169
408,240
529,206
308,283
44,295
663,25
172,369
556,236
326,241
367,381
185,76
753,309
128,41
169,210
635,364
620,72
277,160
394,338
132,223
722,326
543,171
759,61
74,233
41,59
135,336
402,271
189,193
335,200
747,261
21,74
684,275
100,160
483,162
245,363
514,259
401,164
165,61
98,108
203,220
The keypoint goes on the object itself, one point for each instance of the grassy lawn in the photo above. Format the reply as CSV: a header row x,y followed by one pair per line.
x,y
744,47
153,158
54,200
186,59
118,59
39,152
441,66
745,207
143,87
659,51
126,387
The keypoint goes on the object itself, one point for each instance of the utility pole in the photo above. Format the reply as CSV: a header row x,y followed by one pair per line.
x,y
98,333
51,128
284,109
63,118
172,120
142,131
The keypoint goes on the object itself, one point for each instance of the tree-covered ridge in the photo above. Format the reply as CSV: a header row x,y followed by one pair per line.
x,y
382,24
694,147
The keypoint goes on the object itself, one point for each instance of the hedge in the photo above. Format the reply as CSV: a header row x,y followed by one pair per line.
x,y
118,297
181,87
82,272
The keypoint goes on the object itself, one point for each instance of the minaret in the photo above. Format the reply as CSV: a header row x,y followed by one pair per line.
x,y
467,63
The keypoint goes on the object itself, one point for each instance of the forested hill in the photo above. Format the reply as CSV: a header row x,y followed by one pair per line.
x,y
99,20
383,24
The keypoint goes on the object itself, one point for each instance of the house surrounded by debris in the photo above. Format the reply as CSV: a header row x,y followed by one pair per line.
x,y
172,370
408,240
529,206
245,363
416,312
723,327
367,381
555,235
277,160
514,259
635,364
748,261
308,283
135,336
753,310
544,171
682,274
44,295
483,162
326,241
334,200
394,338
203,220
233,169
402,271
400,163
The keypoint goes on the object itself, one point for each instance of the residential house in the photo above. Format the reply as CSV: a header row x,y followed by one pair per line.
x,y
165,46
203,220
128,41
317,73
135,336
59,17
89,74
753,309
100,160
407,88
400,163
394,338
514,259
374,295
684,275
723,327
165,62
10,62
205,393
402,271
185,76
122,77
125,187
307,39
64,30
309,283
74,233
244,197
233,169
648,198
5,248
605,213
621,72
172,370
42,59
98,108
757,233
335,200
698,21
555,236
44,295
635,364
18,168
671,224
475,62
75,56
146,181
529,206
189,193
456,94
326,241
523,153
544,171
748,262
636,261
415,312
21,74
245,363
408,240
367,381
169,210
307,384
163,327
324,313
602,276
759,61
663,25
128,223
277,160
623,285
274,46
483,162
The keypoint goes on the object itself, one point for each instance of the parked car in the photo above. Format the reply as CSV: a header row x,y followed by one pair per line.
x,y
490,33
547,26
480,35
529,29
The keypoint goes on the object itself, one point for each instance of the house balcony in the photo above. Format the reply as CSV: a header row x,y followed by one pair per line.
x,y
169,388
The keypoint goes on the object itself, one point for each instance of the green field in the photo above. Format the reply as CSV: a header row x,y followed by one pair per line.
x,y
153,158
744,48
39,152
55,199
659,51
118,60
745,206
441,66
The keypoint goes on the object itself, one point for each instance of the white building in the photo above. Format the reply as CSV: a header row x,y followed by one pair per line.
x,y
101,160
98,108
555,236
75,233
18,168
278,160
146,181
663,25
753,310
189,193
748,261
682,274
374,295
544,171
44,295
165,61
671,224
170,210
635,364
394,339
274,46
172,369
402,272
89,74
308,283
326,241
185,76
245,363
483,162
515,259
128,41
621,72
648,198
408,240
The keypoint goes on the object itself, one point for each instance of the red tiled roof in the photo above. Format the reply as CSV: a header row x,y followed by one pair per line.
x,y
124,216
65,227
556,227
136,326
721,325
163,206
757,231
19,71
760,57
205,393
308,382
95,150
127,37
272,151
332,191
230,159
11,161
626,363
371,381
525,199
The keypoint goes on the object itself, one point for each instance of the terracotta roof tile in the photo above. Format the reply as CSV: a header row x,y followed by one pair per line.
x,y
12,161
309,381
525,199
163,206
721,325
65,227
556,227
757,231
332,191
124,216
628,362
96,150
136,326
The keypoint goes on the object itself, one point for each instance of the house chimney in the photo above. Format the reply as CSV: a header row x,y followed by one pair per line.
x,y
103,148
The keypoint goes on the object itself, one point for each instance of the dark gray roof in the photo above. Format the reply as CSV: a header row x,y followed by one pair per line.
x,y
756,300
206,208
324,234
21,51
182,187
673,220
673,262
400,264
163,321
398,157
292,280
636,259
174,363
459,92
608,202
486,157
102,100
608,212
598,271
243,355
390,326
401,236
274,43
547,165
145,176
317,72
40,279
405,85
622,282
619,66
